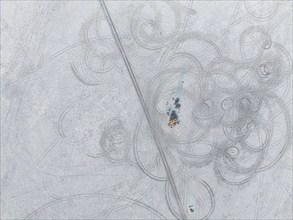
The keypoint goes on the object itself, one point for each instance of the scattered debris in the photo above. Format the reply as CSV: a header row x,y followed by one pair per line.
x,y
173,112
190,208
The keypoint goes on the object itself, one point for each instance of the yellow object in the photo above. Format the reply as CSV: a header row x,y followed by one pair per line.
x,y
172,122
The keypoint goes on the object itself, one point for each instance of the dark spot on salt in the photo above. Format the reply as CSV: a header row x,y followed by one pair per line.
x,y
174,115
176,101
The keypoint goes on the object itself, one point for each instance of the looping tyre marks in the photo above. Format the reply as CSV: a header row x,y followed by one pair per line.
x,y
197,196
215,88
149,26
95,65
229,110
115,141
240,98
